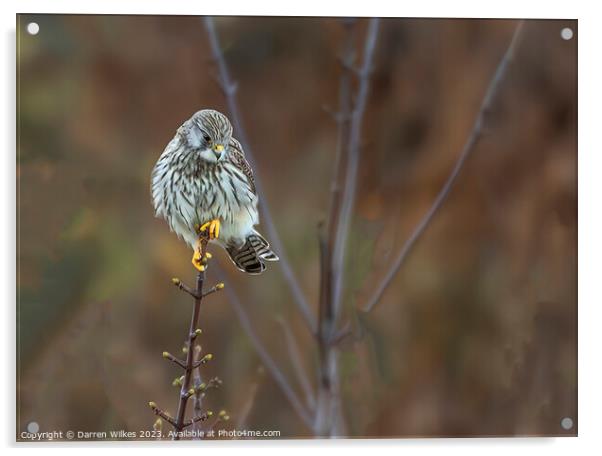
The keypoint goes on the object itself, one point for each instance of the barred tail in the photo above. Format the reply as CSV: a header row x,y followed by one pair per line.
x,y
248,258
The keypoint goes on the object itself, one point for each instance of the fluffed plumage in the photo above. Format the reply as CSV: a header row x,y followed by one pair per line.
x,y
202,176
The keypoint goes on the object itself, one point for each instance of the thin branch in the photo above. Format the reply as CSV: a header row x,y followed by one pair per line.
x,y
193,360
341,334
332,243
199,393
295,356
204,360
469,146
330,268
324,395
325,314
229,89
162,414
265,357
213,289
182,286
196,419
349,190
194,321
175,360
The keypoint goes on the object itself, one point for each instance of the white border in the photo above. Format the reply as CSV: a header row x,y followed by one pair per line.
x,y
590,226
383,8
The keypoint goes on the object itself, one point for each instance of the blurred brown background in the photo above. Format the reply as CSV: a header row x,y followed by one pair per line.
x,y
476,335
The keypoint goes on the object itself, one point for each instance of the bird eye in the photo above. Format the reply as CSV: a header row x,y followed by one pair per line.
x,y
207,138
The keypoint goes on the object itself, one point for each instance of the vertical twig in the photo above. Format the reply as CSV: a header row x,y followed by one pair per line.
x,y
190,358
332,247
197,406
193,359
326,355
229,89
355,131
469,146
331,268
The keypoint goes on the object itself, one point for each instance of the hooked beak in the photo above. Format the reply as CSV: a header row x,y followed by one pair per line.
x,y
217,150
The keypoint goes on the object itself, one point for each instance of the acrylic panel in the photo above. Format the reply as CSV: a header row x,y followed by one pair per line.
x,y
287,227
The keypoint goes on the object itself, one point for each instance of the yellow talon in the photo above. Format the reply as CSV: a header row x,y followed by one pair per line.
x,y
212,227
197,260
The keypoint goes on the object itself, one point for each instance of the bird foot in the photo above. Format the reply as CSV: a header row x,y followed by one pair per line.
x,y
198,261
207,232
212,228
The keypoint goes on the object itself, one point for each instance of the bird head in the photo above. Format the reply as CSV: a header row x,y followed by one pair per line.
x,y
209,133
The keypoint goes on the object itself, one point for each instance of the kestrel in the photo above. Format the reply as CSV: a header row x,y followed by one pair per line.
x,y
202,182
